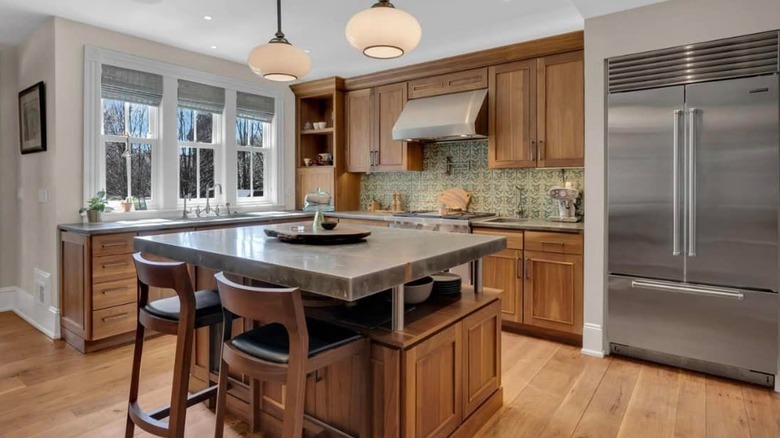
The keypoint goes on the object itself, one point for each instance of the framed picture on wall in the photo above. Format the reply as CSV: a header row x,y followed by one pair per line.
x,y
32,119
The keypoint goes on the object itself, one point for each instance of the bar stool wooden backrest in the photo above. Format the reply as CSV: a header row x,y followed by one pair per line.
x,y
167,275
267,305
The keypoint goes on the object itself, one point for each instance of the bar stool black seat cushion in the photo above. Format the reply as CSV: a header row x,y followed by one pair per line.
x,y
208,308
272,344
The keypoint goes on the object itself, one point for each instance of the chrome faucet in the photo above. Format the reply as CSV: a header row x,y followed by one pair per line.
x,y
186,211
519,211
207,210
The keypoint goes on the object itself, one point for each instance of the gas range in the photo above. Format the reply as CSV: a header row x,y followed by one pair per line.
x,y
460,215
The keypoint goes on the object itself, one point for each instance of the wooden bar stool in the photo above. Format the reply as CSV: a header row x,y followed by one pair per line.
x,y
285,349
179,316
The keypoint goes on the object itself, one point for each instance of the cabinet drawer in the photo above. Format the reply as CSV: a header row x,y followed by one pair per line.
x,y
114,293
112,244
514,239
113,321
114,267
449,83
563,243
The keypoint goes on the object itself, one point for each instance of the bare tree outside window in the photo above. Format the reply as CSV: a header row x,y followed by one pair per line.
x,y
128,140
196,152
251,161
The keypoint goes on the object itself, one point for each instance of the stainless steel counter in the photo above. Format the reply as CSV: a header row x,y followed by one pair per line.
x,y
532,225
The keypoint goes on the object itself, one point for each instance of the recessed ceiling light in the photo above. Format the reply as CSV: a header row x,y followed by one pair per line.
x,y
214,47
207,17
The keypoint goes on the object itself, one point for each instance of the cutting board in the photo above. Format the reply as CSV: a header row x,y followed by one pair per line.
x,y
455,199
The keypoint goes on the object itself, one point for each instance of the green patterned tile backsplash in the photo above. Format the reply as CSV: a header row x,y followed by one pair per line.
x,y
493,190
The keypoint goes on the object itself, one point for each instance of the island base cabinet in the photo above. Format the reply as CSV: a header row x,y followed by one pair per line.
x,y
481,357
433,388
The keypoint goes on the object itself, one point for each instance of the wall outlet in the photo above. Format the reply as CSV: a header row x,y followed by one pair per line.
x,y
42,293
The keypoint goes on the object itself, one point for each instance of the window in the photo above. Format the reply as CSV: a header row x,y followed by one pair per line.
x,y
164,132
129,135
251,162
129,109
197,146
253,146
198,116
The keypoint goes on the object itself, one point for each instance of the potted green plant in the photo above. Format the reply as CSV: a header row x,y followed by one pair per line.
x,y
127,204
96,207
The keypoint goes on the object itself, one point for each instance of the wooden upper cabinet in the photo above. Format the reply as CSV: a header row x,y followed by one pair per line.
x,y
359,123
449,83
512,115
560,120
552,294
392,155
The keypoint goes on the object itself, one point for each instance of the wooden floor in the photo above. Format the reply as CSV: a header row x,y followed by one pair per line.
x,y
48,389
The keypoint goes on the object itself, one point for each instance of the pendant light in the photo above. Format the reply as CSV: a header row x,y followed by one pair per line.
x,y
383,31
279,60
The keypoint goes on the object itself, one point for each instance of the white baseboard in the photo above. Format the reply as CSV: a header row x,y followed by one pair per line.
x,y
44,318
593,340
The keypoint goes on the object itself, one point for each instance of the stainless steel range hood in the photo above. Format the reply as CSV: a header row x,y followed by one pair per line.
x,y
459,116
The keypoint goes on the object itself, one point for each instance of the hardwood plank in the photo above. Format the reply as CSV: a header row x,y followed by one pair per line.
x,y
691,406
605,412
568,415
762,412
517,376
726,414
651,412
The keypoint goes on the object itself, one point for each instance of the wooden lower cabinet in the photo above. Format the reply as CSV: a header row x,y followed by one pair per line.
x,y
552,293
448,382
433,385
503,271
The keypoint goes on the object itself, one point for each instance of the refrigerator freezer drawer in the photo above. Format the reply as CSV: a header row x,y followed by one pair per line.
x,y
737,328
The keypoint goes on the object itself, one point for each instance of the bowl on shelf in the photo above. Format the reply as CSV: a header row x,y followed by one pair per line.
x,y
417,291
329,225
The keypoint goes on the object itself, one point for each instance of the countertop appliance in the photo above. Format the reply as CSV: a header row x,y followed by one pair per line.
x,y
693,189
566,199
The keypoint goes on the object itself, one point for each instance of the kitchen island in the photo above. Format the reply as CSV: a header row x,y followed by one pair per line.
x,y
435,369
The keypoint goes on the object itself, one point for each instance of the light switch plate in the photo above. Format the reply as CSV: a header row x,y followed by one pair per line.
x,y
43,196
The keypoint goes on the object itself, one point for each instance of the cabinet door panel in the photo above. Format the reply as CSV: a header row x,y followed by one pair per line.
x,y
552,294
359,144
500,271
390,100
512,115
481,357
433,385
561,110
313,178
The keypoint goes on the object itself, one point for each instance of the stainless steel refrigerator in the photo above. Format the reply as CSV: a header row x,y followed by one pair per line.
x,y
694,195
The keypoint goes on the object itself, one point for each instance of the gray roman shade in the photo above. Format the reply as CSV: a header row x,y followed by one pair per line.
x,y
201,97
252,106
131,85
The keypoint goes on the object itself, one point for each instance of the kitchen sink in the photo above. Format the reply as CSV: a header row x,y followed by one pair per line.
x,y
506,220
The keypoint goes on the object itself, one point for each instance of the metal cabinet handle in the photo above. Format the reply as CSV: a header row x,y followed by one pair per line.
x,y
692,182
547,242
114,291
533,150
690,290
541,150
519,272
114,244
114,265
676,184
115,317
527,270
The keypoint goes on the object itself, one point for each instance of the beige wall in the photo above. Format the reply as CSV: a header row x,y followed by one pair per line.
x,y
55,54
667,24
9,156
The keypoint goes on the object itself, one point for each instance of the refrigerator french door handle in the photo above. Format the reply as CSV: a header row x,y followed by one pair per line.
x,y
689,289
692,181
676,184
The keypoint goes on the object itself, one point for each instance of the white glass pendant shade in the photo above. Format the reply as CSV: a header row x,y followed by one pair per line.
x,y
279,61
383,31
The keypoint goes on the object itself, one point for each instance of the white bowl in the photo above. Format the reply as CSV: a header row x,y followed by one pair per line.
x,y
417,291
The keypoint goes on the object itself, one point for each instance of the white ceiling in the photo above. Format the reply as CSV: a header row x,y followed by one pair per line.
x,y
449,27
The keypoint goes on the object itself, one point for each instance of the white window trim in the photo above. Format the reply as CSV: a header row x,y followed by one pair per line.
x,y
168,199
268,152
219,152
